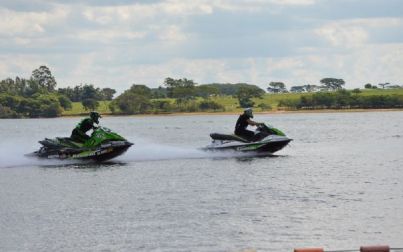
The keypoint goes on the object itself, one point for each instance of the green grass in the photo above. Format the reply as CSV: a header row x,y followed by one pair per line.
x,y
378,91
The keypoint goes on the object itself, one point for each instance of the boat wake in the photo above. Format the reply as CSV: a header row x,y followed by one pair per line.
x,y
143,150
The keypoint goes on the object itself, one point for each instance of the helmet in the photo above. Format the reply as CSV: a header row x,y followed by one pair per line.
x,y
95,116
248,112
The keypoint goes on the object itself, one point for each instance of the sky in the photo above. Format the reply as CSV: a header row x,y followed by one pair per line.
x,y
117,43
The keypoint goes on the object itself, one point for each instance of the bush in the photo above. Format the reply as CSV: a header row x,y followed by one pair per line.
x,y
344,99
264,106
90,104
210,105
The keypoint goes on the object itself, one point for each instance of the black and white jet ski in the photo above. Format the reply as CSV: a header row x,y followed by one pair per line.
x,y
267,139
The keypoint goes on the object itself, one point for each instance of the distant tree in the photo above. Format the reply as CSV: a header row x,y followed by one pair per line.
x,y
368,86
90,92
383,84
87,91
245,95
134,100
206,91
311,88
297,89
277,87
107,94
43,76
332,83
181,89
157,93
90,104
65,102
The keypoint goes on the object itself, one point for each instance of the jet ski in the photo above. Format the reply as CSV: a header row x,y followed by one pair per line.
x,y
104,144
267,139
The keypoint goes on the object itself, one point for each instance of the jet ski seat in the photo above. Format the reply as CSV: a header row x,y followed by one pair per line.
x,y
218,136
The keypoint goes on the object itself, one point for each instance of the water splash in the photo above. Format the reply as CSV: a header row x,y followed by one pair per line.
x,y
144,150
19,154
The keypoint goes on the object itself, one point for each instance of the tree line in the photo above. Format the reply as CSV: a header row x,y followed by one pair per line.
x,y
182,95
343,99
38,96
326,84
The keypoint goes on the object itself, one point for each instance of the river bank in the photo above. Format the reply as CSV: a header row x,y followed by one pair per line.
x,y
238,112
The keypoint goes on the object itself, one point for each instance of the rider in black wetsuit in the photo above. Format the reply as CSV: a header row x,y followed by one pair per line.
x,y
242,123
78,133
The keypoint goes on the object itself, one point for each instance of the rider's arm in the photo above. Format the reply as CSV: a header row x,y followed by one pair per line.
x,y
253,123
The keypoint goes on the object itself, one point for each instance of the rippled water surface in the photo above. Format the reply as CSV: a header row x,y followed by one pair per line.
x,y
338,185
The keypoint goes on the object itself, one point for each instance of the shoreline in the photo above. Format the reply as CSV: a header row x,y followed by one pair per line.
x,y
274,112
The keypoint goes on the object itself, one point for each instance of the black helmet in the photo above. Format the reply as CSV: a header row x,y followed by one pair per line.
x,y
95,116
248,112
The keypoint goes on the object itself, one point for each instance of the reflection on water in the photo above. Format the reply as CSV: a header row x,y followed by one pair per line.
x,y
337,185
90,165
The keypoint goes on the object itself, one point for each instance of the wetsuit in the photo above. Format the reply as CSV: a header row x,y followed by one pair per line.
x,y
78,133
240,127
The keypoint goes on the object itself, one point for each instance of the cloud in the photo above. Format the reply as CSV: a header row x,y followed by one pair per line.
x,y
355,32
118,43
30,23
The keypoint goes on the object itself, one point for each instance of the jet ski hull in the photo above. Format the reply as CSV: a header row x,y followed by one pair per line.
x,y
270,146
101,153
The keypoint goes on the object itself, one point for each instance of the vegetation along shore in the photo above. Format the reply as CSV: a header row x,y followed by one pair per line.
x,y
38,97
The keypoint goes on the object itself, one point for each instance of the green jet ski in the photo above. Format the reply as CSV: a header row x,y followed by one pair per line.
x,y
103,144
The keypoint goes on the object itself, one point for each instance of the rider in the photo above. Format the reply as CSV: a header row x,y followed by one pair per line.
x,y
79,132
242,123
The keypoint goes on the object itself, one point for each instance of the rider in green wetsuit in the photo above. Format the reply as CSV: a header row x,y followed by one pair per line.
x,y
79,132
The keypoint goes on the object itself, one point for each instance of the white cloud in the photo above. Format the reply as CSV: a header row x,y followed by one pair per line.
x,y
172,33
131,14
30,23
343,35
14,65
108,35
118,45
354,32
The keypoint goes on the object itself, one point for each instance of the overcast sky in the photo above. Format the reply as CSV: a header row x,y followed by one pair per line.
x,y
115,43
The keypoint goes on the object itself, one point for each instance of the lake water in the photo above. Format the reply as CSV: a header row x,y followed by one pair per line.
x,y
337,185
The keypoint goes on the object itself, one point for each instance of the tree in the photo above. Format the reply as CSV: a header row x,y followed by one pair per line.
x,y
206,91
297,89
90,92
44,78
181,89
245,95
332,83
311,88
134,100
159,92
368,86
90,104
277,87
65,102
383,84
107,94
